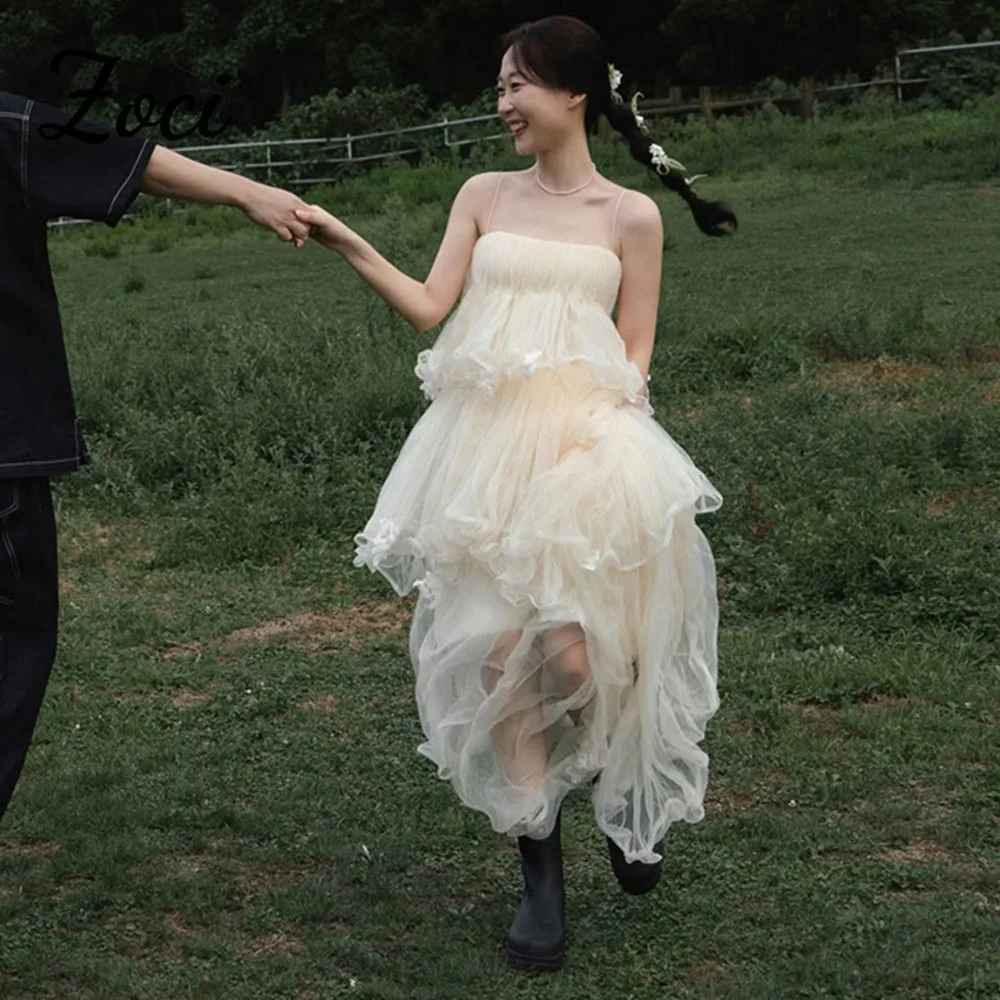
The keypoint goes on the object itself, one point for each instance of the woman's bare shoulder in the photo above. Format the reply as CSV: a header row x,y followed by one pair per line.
x,y
638,209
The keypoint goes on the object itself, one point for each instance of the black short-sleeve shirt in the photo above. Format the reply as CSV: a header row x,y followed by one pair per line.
x,y
42,179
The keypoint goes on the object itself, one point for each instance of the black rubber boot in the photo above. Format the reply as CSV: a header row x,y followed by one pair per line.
x,y
537,936
636,877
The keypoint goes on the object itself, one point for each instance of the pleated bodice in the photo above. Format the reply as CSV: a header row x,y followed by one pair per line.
x,y
530,303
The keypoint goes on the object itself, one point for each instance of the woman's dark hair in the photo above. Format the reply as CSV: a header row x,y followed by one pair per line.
x,y
567,54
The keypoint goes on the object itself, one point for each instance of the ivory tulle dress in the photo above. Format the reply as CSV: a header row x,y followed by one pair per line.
x,y
566,621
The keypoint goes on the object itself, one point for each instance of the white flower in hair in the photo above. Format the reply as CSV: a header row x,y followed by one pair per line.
x,y
663,163
614,78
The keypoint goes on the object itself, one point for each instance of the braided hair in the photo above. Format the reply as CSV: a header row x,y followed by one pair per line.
x,y
567,54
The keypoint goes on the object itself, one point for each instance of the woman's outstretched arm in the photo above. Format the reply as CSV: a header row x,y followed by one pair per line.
x,y
423,304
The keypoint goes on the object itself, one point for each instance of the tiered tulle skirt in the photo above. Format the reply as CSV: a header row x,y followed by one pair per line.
x,y
566,622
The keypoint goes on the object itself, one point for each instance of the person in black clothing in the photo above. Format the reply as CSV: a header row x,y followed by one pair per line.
x,y
41,179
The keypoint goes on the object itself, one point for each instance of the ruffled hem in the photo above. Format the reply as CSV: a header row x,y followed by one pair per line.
x,y
606,506
485,373
658,618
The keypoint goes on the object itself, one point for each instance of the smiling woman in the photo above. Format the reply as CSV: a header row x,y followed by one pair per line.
x,y
565,631
562,56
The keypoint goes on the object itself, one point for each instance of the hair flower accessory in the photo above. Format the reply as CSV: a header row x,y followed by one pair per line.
x,y
614,78
664,164
639,120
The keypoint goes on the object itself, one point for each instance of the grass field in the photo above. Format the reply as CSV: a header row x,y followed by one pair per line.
x,y
224,798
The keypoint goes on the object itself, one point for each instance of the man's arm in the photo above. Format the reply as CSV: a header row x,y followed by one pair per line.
x,y
170,174
99,180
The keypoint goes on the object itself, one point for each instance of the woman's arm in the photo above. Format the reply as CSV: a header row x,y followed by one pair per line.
x,y
170,174
641,228
423,304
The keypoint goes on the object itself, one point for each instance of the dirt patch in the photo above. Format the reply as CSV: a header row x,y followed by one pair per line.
x,y
80,540
914,817
275,944
707,971
133,697
251,878
312,631
940,505
42,849
986,356
729,800
185,699
192,865
385,616
187,649
926,851
327,704
828,719
882,702
868,374
254,880
177,926
820,717
918,852
982,496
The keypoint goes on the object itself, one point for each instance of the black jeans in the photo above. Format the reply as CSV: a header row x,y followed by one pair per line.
x,y
29,617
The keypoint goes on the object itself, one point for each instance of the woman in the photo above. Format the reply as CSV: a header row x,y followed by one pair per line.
x,y
565,629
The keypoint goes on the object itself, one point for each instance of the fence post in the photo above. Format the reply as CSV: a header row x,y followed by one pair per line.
x,y
267,149
899,81
807,91
446,143
705,97
350,147
675,95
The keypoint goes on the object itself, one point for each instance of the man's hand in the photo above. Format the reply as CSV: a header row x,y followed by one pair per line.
x,y
275,208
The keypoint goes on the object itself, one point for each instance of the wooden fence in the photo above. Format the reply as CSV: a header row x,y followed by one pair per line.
x,y
295,154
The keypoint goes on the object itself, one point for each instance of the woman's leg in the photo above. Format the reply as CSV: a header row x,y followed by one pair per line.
x,y
518,735
567,663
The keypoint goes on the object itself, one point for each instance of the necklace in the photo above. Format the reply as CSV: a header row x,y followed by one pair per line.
x,y
579,187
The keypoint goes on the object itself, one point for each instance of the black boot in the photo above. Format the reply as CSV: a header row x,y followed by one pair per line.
x,y
636,877
538,933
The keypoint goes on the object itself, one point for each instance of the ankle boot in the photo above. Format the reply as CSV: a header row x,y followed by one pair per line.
x,y
537,935
636,877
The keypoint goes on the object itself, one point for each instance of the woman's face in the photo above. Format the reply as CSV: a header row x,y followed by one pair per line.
x,y
538,116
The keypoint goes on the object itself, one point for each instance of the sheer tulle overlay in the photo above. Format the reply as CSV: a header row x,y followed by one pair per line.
x,y
566,621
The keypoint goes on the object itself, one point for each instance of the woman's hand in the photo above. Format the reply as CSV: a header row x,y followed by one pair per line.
x,y
324,227
274,208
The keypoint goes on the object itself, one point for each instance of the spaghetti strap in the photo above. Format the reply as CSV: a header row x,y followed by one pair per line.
x,y
496,191
614,224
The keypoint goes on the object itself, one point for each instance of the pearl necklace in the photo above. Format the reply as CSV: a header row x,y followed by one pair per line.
x,y
579,187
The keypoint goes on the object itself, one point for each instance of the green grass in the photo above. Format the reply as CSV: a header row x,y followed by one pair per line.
x,y
224,798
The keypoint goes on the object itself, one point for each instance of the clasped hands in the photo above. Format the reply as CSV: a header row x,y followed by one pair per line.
x,y
293,220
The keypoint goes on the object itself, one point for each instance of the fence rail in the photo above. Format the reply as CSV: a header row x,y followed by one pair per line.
x,y
673,105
